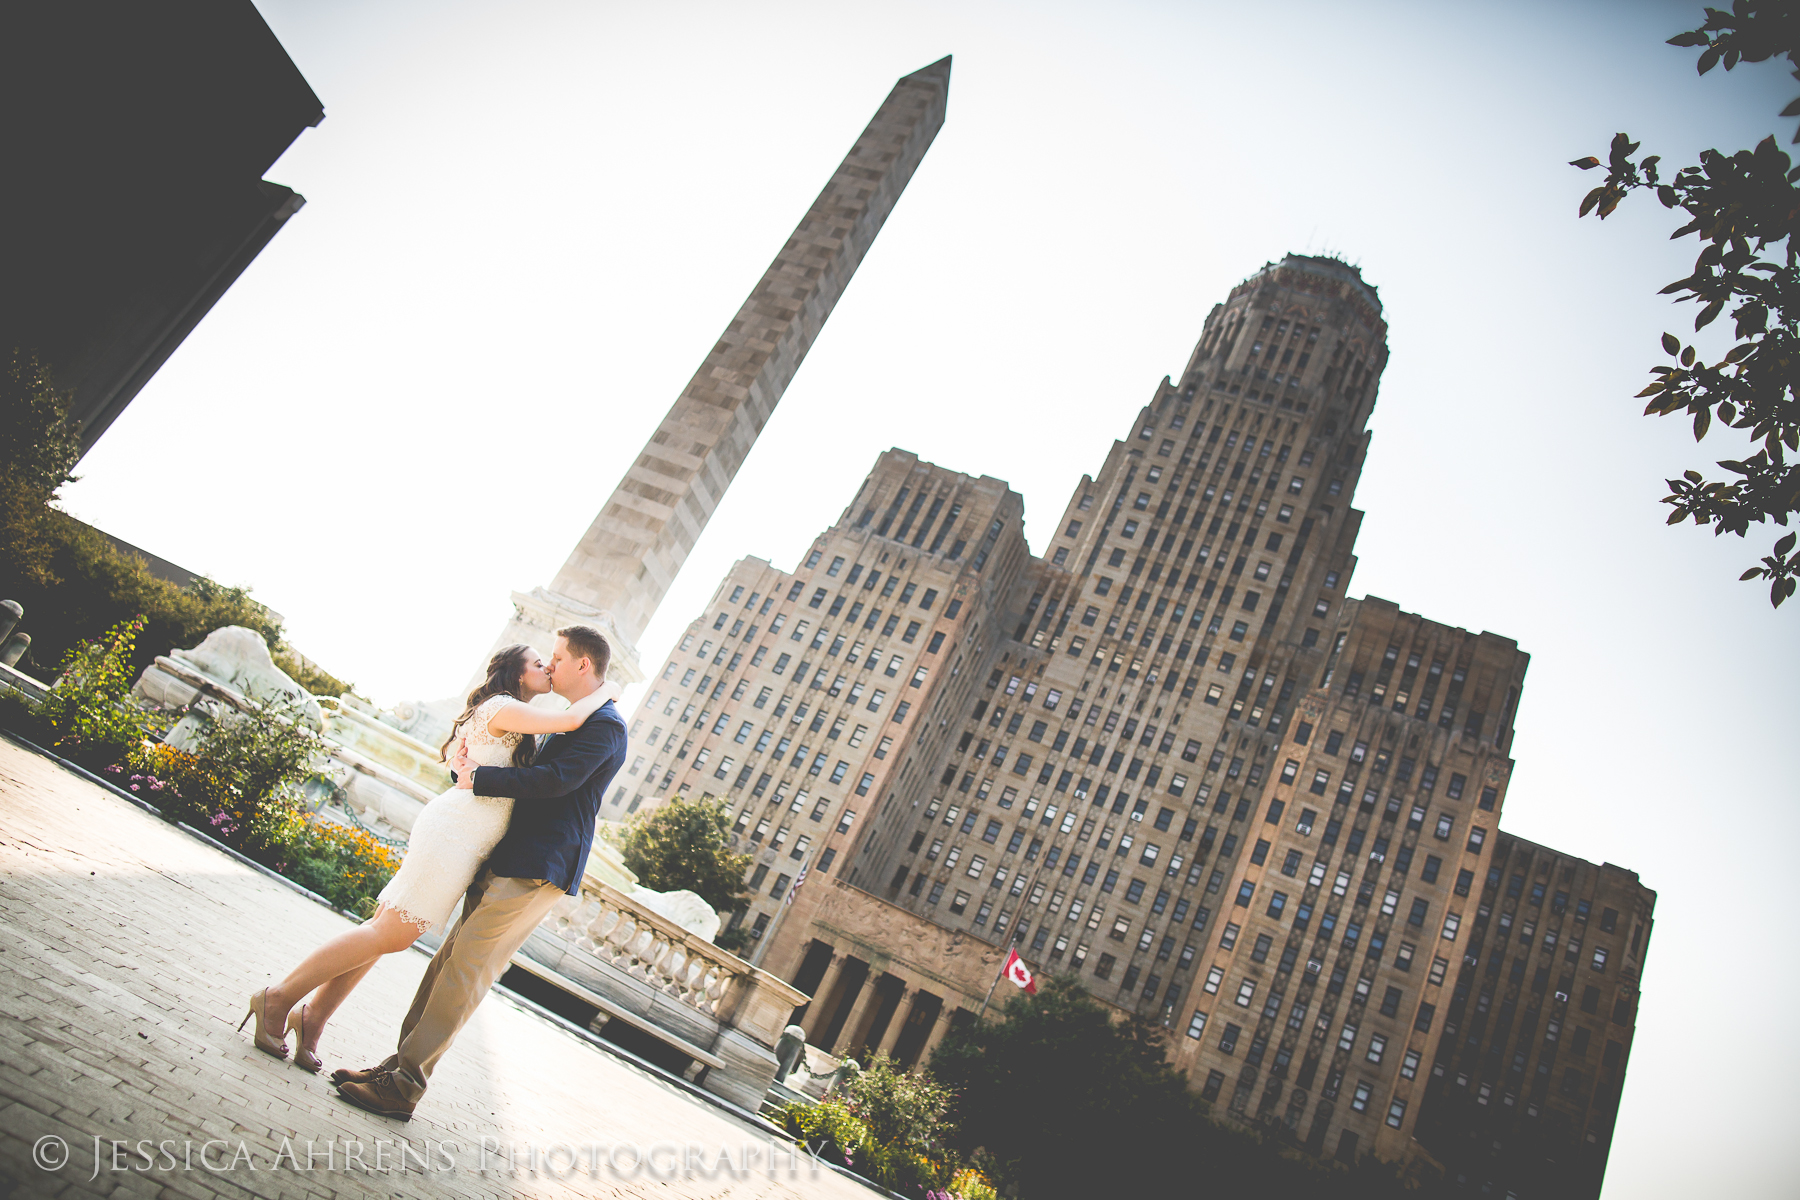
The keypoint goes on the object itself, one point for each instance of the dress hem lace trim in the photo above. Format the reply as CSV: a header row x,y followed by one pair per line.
x,y
425,924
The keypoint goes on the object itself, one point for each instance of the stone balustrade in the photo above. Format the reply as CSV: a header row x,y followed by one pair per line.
x,y
640,967
603,922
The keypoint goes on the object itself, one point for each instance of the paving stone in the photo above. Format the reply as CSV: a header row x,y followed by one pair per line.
x,y
114,923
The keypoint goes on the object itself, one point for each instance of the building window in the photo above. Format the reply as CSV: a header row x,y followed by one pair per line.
x,y
1377,1047
1359,1099
1396,1113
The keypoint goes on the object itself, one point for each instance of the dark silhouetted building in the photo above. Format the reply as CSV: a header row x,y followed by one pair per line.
x,y
134,143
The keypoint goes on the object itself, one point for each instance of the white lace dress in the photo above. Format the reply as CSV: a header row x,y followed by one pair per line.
x,y
454,833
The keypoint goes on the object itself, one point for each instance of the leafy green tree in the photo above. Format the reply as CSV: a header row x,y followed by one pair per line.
x,y
686,844
82,585
38,451
1067,1103
75,584
1743,207
1057,1073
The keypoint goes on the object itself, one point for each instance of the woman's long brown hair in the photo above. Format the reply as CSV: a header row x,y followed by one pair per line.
x,y
504,671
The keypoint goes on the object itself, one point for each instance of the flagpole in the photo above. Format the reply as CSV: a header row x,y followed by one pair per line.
x,y
990,992
1010,942
787,902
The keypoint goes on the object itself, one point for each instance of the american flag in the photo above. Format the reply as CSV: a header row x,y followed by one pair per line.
x,y
798,880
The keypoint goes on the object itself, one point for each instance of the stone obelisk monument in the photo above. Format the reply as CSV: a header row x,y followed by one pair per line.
x,y
627,559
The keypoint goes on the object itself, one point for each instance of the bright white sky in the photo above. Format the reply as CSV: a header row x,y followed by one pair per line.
x,y
527,223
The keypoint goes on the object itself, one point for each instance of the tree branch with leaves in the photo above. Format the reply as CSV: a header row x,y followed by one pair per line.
x,y
1743,207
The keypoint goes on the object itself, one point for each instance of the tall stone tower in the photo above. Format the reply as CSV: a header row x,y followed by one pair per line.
x,y
622,567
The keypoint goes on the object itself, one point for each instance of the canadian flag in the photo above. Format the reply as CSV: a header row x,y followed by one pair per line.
x,y
1016,971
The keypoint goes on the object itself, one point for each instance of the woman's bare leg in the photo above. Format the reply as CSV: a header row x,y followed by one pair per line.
x,y
333,992
348,956
324,1001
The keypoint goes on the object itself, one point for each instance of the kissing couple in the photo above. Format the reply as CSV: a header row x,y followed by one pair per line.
x,y
511,838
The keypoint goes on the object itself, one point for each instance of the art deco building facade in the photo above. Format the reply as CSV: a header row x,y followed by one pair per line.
x,y
1172,756
1525,1082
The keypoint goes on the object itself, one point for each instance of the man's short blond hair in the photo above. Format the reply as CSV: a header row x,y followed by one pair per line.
x,y
584,641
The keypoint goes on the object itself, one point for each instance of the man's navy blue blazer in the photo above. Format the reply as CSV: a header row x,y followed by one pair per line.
x,y
556,801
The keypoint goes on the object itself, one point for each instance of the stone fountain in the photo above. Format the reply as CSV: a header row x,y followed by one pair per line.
x,y
382,777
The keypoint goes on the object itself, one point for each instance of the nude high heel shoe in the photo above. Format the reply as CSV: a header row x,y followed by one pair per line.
x,y
305,1059
265,1041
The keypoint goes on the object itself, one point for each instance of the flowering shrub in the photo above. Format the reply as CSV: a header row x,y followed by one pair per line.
x,y
971,1184
89,716
906,1171
346,866
149,786
901,1108
887,1127
241,784
825,1128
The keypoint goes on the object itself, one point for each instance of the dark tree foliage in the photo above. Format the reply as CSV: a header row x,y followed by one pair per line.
x,y
38,450
73,583
686,845
1066,1103
1743,207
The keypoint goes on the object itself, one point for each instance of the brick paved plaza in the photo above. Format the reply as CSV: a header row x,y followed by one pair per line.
x,y
129,948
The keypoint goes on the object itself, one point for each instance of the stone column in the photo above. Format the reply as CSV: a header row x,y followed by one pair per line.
x,y
891,1036
938,1029
864,1012
826,995
625,562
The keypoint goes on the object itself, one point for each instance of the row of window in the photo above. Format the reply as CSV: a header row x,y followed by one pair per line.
x,y
834,686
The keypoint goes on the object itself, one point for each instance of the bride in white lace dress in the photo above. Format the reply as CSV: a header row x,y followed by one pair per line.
x,y
449,841
457,830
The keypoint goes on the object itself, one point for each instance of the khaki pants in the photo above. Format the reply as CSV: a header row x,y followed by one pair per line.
x,y
498,915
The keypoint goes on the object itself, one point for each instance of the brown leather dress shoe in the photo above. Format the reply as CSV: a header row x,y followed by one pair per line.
x,y
346,1075
380,1095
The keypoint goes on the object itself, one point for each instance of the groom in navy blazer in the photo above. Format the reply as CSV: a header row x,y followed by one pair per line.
x,y
540,859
